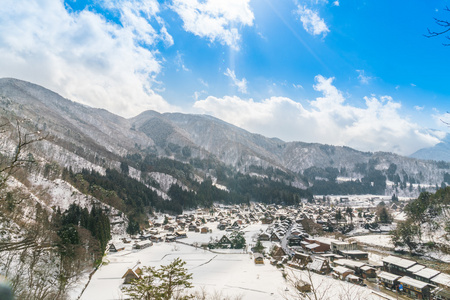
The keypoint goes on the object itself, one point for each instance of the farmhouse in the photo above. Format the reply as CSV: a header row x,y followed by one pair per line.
x,y
388,280
132,274
116,247
259,258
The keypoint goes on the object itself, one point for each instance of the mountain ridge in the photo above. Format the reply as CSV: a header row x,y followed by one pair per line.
x,y
105,138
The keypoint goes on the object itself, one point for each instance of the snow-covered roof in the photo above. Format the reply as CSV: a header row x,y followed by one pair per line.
x,y
413,282
427,273
312,246
388,276
353,252
416,268
316,265
366,268
443,279
401,262
349,262
341,270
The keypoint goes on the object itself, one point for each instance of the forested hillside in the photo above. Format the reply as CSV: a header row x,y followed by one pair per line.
x,y
428,224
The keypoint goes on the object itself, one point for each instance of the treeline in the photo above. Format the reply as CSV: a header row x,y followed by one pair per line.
x,y
122,192
96,221
373,181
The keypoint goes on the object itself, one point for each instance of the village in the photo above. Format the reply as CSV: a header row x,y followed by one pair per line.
x,y
292,244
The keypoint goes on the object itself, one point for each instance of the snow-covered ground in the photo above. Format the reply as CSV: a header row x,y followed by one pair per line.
x,y
229,272
378,240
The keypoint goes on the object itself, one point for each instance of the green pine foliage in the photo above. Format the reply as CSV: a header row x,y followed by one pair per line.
x,y
96,221
167,282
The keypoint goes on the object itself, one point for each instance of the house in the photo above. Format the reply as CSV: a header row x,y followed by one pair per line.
x,y
415,288
319,265
192,227
294,240
324,244
354,254
264,237
389,280
303,286
274,237
170,238
116,247
425,274
351,264
331,257
180,234
157,238
224,242
397,265
142,244
368,272
278,253
337,246
442,283
416,268
442,280
300,260
204,229
354,279
341,273
258,258
132,274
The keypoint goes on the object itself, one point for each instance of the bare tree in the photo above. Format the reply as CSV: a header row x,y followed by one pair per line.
x,y
10,162
444,26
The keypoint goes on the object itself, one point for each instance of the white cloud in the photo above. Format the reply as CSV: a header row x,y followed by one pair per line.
x,y
179,62
216,20
419,108
336,3
81,55
363,79
203,82
311,21
240,84
297,86
377,126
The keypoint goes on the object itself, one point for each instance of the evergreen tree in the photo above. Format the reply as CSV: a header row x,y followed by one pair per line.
x,y
165,283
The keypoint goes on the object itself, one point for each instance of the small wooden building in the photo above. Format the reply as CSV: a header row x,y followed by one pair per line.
x,y
389,280
116,247
132,274
341,272
258,258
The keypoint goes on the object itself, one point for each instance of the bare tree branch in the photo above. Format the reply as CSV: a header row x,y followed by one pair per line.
x,y
443,24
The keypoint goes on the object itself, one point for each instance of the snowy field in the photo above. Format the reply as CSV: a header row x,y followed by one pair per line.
x,y
377,240
232,273
229,272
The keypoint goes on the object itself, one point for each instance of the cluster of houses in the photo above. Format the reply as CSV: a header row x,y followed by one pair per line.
x,y
296,248
415,279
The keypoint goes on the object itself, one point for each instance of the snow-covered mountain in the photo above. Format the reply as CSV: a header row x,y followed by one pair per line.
x,y
439,152
102,139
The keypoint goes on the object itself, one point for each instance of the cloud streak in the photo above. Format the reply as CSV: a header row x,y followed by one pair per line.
x,y
241,84
375,127
312,22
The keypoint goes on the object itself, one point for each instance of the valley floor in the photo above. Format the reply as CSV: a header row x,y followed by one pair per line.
x,y
228,272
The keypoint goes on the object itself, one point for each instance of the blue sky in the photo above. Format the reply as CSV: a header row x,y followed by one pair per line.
x,y
355,73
